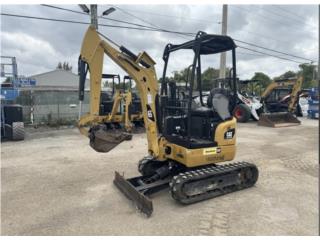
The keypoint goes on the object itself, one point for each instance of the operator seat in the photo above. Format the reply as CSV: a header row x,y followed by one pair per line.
x,y
204,122
106,103
136,104
219,101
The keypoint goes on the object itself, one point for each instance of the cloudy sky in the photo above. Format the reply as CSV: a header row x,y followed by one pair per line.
x,y
40,45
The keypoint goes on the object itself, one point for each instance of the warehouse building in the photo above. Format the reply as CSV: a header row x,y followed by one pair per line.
x,y
57,79
53,99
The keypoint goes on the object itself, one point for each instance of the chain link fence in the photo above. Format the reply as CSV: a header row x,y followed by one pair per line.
x,y
51,107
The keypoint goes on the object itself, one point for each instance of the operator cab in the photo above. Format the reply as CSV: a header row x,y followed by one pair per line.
x,y
184,122
106,98
135,107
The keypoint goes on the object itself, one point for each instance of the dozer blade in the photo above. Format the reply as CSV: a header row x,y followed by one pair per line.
x,y
142,202
281,119
104,140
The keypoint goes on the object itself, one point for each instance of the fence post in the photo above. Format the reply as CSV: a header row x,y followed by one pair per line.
x,y
58,112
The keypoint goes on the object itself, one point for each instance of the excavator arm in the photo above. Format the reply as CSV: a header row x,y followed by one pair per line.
x,y
128,101
276,84
140,68
294,96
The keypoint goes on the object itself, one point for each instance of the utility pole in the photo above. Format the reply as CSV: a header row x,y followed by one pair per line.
x,y
94,15
93,11
223,55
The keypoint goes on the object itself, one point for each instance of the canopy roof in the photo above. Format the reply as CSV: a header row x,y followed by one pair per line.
x,y
209,44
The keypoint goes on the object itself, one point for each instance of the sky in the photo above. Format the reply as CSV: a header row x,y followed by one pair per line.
x,y
40,45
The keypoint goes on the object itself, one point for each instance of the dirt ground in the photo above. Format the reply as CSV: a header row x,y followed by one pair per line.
x,y
53,183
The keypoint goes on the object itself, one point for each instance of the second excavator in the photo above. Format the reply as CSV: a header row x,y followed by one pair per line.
x,y
280,111
186,142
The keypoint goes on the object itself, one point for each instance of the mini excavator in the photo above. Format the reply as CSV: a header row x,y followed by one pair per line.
x,y
186,142
280,111
105,108
134,110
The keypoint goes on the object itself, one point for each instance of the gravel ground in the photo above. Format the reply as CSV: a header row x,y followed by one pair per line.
x,y
53,183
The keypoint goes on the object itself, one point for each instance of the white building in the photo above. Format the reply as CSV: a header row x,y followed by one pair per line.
x,y
57,80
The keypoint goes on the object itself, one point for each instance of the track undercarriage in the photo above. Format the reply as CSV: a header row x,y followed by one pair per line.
x,y
187,185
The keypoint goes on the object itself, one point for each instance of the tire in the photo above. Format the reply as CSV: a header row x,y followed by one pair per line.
x,y
242,113
18,131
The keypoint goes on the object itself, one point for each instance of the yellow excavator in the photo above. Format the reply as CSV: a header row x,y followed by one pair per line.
x,y
186,142
119,107
133,112
280,109
115,107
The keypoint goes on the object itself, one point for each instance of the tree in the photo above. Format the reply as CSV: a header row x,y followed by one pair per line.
x,y
264,80
167,79
59,65
308,71
64,66
180,76
288,74
8,80
208,77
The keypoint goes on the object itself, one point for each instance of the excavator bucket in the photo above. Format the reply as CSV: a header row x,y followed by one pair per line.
x,y
103,140
276,120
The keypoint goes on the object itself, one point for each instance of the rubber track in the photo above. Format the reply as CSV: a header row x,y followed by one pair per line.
x,y
178,182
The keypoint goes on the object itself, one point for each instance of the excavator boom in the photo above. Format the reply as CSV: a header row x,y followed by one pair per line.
x,y
140,68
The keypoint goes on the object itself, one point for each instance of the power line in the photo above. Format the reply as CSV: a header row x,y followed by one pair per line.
x,y
154,26
86,23
253,33
170,16
109,19
201,20
259,15
264,18
288,12
271,55
134,16
42,18
139,25
64,9
234,39
157,30
251,54
268,49
278,14
259,35
143,20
